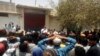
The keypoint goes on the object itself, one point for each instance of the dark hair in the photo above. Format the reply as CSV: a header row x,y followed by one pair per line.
x,y
23,47
29,40
84,42
3,32
11,34
79,51
50,51
94,39
50,42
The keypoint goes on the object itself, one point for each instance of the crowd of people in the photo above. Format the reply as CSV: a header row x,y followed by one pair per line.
x,y
49,43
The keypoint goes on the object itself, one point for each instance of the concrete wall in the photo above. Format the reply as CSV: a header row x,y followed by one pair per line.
x,y
51,22
47,19
7,7
11,18
54,24
20,12
16,15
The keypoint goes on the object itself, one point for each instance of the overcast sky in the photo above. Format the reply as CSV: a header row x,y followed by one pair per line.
x,y
44,3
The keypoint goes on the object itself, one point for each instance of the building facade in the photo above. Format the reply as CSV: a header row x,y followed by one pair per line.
x,y
27,17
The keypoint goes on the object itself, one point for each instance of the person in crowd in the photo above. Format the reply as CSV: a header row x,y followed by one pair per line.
x,y
78,50
31,45
17,28
94,49
50,44
12,45
57,39
85,44
44,30
23,48
3,33
55,32
3,47
35,37
37,51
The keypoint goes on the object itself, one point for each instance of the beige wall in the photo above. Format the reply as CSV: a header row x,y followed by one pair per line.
x,y
47,19
7,7
20,12
54,24
11,18
10,8
51,22
16,15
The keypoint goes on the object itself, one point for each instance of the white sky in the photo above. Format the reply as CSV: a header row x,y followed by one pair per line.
x,y
44,3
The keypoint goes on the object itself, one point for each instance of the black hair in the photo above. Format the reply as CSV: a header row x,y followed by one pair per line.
x,y
50,42
79,51
84,42
23,47
94,39
51,52
29,40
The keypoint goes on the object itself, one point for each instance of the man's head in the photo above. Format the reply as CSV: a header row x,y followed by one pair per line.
x,y
93,41
2,48
12,39
49,52
57,41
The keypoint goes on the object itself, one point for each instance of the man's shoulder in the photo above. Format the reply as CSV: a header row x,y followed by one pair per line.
x,y
95,48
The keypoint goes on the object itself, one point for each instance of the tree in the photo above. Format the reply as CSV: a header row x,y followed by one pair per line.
x,y
79,14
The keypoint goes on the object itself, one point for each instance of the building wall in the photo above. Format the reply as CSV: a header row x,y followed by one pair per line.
x,y
53,21
20,12
54,24
47,21
11,18
25,9
7,7
16,15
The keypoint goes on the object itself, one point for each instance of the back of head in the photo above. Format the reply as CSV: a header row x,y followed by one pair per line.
x,y
79,51
23,47
49,52
37,51
57,41
2,48
93,38
84,42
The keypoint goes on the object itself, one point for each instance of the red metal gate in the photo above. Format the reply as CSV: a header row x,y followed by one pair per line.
x,y
34,21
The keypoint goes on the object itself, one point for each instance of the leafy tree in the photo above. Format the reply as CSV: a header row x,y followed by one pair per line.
x,y
79,14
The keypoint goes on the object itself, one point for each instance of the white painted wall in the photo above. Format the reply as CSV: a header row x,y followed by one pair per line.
x,y
54,24
15,18
20,11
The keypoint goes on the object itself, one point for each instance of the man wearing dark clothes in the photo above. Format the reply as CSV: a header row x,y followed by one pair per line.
x,y
94,49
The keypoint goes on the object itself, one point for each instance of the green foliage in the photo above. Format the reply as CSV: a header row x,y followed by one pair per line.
x,y
79,14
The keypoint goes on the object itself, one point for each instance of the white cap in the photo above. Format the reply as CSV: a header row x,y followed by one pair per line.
x,y
28,33
3,39
55,33
57,41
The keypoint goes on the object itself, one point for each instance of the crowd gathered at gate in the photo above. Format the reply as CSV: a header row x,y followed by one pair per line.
x,y
45,42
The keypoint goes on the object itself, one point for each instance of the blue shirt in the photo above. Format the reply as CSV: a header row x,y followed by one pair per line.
x,y
60,51
37,51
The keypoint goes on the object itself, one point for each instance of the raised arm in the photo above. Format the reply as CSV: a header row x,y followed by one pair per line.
x,y
43,43
69,46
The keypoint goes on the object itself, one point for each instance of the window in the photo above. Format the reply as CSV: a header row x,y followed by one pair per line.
x,y
4,14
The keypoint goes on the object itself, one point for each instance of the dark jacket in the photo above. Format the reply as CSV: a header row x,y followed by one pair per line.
x,y
93,51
